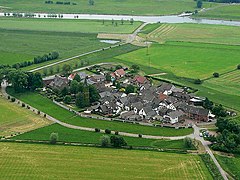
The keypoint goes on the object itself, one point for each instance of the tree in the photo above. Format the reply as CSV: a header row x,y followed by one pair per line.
x,y
93,94
130,89
64,91
77,78
135,68
219,111
108,77
216,75
238,67
58,69
19,80
53,138
131,21
74,87
67,70
80,100
188,142
207,104
86,95
197,81
67,99
37,81
91,2
199,4
122,21
118,67
105,141
118,85
45,72
118,141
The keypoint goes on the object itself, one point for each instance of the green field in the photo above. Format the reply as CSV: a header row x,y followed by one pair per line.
x,y
143,7
63,25
193,33
78,136
47,106
189,60
14,119
227,12
231,165
36,161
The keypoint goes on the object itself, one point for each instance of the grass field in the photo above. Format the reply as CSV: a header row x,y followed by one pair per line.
x,y
143,7
47,106
78,136
193,33
14,119
35,161
231,165
190,60
63,25
227,12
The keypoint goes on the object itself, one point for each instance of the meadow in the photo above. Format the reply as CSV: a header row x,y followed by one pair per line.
x,y
77,136
227,12
14,119
130,7
231,165
184,59
36,161
203,33
47,106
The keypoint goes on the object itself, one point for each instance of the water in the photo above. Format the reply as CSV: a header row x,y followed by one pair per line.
x,y
147,19
110,41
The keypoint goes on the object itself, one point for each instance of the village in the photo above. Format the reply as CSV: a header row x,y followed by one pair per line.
x,y
125,94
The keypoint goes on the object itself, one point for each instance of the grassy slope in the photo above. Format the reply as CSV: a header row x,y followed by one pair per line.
x,y
34,161
196,33
73,135
187,59
14,119
47,106
231,165
228,12
143,7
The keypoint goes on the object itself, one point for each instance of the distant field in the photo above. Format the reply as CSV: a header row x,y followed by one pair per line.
x,y
190,60
130,7
14,119
63,25
36,161
228,12
73,135
194,33
231,165
47,106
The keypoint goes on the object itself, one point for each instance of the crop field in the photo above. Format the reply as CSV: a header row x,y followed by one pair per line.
x,y
36,161
63,25
73,135
14,119
227,12
231,165
195,33
47,106
130,7
190,60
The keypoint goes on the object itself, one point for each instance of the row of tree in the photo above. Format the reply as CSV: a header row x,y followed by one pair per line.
x,y
218,110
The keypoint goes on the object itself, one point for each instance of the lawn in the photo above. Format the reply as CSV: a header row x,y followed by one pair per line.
x,y
227,12
194,33
36,161
14,119
189,60
47,106
73,135
63,25
130,7
231,165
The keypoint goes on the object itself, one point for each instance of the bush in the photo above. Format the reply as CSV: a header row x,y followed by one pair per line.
x,y
216,75
67,99
13,99
140,135
188,142
9,97
53,138
197,81
105,141
97,130
107,131
238,67
23,105
116,132
118,141
38,112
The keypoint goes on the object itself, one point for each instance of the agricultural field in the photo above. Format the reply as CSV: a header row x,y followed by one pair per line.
x,y
130,7
47,106
226,12
231,165
193,33
14,119
73,135
178,58
36,161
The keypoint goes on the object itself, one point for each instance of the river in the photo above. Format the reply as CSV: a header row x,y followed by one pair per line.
x,y
147,19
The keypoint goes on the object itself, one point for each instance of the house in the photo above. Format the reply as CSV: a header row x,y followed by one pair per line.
x,y
97,78
59,82
137,107
48,80
71,76
82,75
140,80
174,116
120,73
144,111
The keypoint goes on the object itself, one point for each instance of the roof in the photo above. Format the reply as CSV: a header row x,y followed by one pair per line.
x,y
140,79
175,114
137,105
120,72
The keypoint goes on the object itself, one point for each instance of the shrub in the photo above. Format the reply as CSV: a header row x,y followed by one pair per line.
x,y
107,131
216,75
140,135
53,138
238,67
116,132
9,97
67,99
188,142
23,105
45,115
38,112
97,130
105,141
197,81
13,99
118,141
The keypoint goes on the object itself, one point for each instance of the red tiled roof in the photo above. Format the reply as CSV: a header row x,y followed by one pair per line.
x,y
162,96
120,72
140,79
